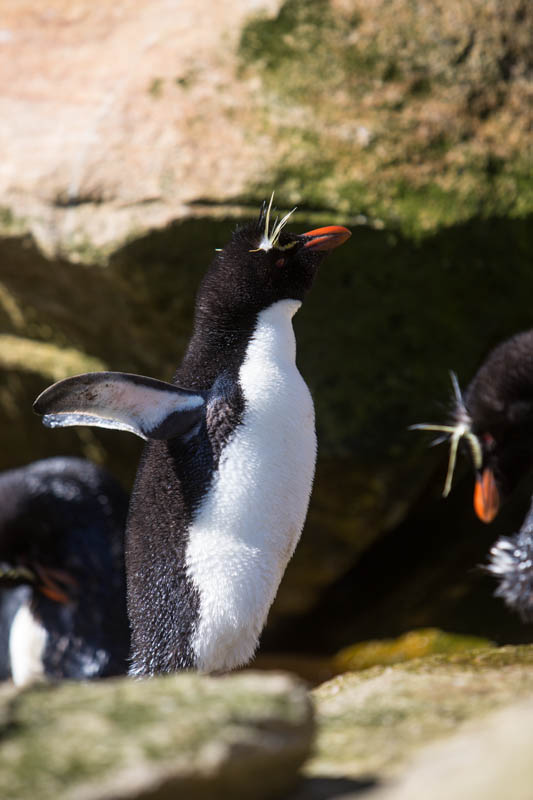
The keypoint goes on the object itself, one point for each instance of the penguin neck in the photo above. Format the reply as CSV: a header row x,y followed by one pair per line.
x,y
222,341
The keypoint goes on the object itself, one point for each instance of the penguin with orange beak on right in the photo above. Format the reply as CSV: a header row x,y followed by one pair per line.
x,y
494,417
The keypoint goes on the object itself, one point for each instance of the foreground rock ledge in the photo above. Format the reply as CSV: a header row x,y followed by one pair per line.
x,y
242,736
372,723
488,760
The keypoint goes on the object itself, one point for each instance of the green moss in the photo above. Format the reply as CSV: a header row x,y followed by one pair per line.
x,y
296,28
6,217
413,170
51,362
374,720
155,88
187,80
79,248
420,86
415,644
295,47
10,223
74,737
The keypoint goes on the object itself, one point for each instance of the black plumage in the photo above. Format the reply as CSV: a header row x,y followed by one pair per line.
x,y
174,476
499,402
511,562
495,417
62,523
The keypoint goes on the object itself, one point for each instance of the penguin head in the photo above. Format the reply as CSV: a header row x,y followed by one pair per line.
x,y
263,263
494,417
499,401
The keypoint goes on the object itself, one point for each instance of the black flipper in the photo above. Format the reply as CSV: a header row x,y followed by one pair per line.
x,y
147,407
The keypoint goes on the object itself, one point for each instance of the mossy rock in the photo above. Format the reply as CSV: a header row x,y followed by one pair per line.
x,y
372,722
243,736
391,109
414,644
487,760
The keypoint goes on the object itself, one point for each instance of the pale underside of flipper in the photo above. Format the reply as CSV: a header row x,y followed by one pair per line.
x,y
146,407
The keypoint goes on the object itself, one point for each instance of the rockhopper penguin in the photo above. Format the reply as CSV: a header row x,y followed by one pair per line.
x,y
495,417
224,482
62,577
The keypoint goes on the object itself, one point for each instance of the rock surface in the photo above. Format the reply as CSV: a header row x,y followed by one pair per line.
x,y
242,737
118,117
370,724
414,644
488,760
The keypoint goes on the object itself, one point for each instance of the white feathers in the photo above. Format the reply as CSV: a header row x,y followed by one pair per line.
x,y
27,640
461,428
511,562
250,522
270,238
65,420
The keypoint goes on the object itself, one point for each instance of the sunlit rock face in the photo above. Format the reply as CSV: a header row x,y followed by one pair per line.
x,y
123,116
135,137
430,722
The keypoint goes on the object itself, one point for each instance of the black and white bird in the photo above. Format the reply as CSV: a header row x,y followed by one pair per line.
x,y
224,482
62,577
495,417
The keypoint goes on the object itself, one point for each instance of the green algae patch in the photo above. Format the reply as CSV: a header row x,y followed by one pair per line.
x,y
51,362
10,223
414,644
126,738
373,721
396,110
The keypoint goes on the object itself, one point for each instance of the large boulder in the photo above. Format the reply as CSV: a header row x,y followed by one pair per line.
x,y
371,723
374,728
242,736
488,760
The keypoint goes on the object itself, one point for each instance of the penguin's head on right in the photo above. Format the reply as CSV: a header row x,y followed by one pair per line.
x,y
495,418
264,263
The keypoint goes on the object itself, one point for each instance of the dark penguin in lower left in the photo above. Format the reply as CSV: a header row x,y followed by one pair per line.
x,y
62,582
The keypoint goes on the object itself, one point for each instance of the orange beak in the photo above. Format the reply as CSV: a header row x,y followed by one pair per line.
x,y
327,238
486,496
51,580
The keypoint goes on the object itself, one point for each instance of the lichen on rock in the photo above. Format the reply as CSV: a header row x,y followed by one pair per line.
x,y
241,736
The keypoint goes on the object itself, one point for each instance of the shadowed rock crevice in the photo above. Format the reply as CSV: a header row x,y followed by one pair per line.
x,y
386,320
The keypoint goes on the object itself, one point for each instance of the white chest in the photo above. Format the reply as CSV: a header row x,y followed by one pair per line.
x,y
27,641
247,528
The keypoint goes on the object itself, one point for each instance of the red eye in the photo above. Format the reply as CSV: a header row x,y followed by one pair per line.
x,y
280,262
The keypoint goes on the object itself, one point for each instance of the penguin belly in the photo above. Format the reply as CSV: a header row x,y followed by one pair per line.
x,y
249,523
